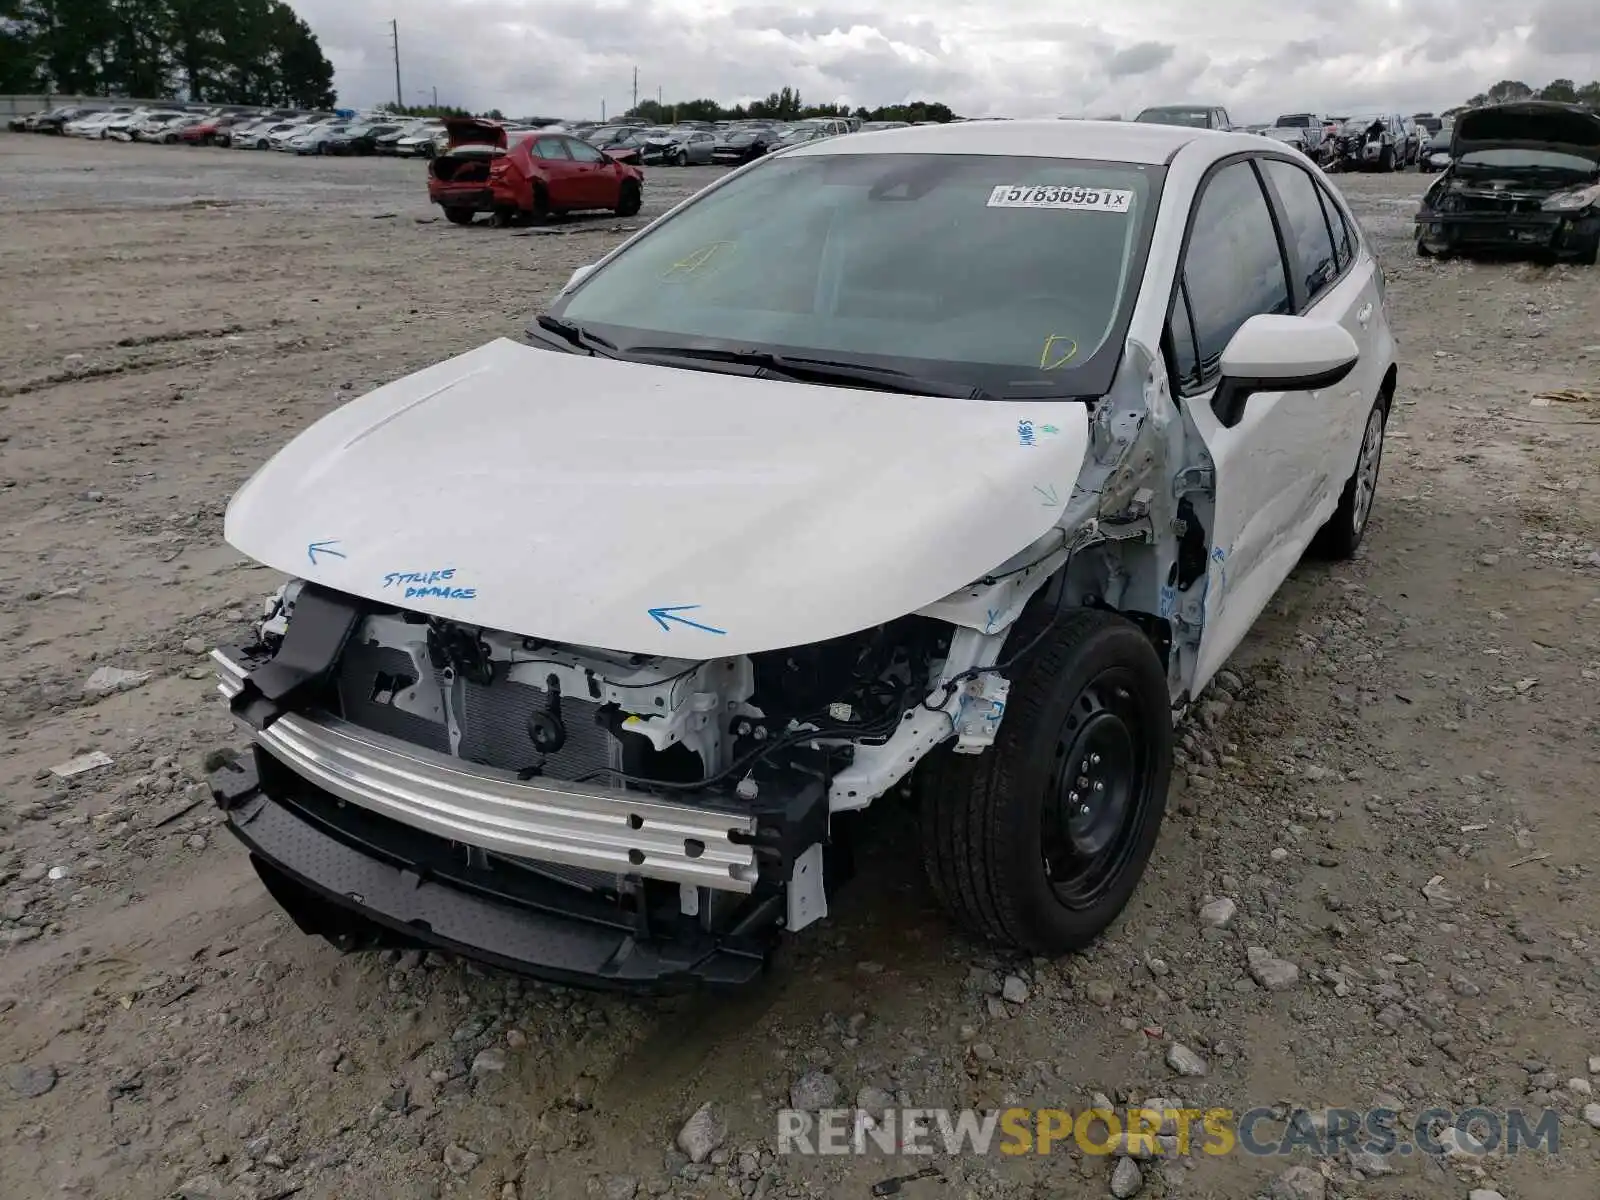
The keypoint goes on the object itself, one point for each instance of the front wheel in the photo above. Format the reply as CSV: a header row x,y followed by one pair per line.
x,y
1039,842
681,159
1386,159
630,198
1341,536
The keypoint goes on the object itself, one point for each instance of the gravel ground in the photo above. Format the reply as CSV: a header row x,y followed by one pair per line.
x,y
1394,785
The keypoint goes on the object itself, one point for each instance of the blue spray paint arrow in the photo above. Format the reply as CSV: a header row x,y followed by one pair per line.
x,y
1050,498
324,548
669,612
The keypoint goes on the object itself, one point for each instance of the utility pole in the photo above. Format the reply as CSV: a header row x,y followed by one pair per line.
x,y
602,111
399,96
658,95
636,89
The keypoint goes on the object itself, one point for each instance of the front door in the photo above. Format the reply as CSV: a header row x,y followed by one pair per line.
x,y
594,177
1269,464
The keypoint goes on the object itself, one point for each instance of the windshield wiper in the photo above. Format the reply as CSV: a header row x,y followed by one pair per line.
x,y
576,335
817,370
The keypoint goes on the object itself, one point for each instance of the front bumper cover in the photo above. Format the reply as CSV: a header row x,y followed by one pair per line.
x,y
363,890
369,840
1552,232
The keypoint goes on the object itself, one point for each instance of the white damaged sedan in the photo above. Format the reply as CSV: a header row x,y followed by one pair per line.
x,y
950,461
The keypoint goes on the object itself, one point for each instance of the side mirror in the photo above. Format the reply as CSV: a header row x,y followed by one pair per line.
x,y
1272,353
577,276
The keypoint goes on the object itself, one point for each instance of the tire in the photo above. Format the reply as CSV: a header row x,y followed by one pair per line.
x,y
630,198
1590,254
1386,159
1339,538
502,218
541,204
681,159
459,216
1094,685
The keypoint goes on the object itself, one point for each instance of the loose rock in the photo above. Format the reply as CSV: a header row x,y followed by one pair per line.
x,y
29,1080
1299,1183
1274,974
460,1160
1217,914
1126,1179
702,1134
813,1091
1185,1061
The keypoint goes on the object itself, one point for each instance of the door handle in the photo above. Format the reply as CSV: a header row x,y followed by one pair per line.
x,y
1364,314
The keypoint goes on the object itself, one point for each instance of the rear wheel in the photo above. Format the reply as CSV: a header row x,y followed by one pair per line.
x,y
1340,537
630,198
459,216
1039,842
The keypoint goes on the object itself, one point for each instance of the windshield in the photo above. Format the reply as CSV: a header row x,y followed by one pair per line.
x,y
1197,118
1006,273
1529,160
1296,121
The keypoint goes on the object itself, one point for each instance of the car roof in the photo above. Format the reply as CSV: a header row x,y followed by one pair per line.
x,y
1110,141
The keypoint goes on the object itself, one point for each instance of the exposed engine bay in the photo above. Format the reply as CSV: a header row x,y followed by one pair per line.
x,y
580,715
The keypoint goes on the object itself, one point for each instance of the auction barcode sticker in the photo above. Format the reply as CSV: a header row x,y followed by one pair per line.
x,y
1072,199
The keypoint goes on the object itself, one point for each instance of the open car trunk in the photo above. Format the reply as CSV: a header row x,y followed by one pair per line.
x,y
482,135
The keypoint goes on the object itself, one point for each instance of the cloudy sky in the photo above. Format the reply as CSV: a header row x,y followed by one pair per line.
x,y
1016,58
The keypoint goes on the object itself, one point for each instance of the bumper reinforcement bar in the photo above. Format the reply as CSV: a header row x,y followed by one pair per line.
x,y
578,825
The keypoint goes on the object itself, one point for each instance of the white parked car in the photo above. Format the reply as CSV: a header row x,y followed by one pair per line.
x,y
978,464
93,125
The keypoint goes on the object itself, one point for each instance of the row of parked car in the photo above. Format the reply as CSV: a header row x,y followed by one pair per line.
x,y
1366,141
287,130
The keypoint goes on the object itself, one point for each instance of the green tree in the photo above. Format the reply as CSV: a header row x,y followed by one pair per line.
x,y
1562,90
1589,94
18,69
1507,90
240,52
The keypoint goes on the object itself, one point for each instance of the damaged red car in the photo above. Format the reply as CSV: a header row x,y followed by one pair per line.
x,y
525,175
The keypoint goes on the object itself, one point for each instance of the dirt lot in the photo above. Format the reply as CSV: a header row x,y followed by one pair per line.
x,y
172,316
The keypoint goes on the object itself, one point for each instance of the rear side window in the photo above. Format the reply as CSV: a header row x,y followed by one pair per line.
x,y
1344,238
1233,268
1308,231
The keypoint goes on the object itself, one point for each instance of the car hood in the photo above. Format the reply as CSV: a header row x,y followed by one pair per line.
x,y
1529,125
656,510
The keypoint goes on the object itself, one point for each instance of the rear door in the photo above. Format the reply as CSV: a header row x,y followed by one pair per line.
x,y
1270,465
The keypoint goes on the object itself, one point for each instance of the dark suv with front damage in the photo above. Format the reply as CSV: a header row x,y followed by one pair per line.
x,y
1523,176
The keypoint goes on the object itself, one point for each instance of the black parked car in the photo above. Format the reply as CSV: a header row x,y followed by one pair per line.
x,y
51,121
358,139
1522,176
742,145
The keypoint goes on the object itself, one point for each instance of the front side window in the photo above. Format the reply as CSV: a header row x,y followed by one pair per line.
x,y
1011,273
582,151
1233,268
1308,226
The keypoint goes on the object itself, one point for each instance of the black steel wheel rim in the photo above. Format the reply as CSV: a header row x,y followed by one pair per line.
x,y
1097,792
